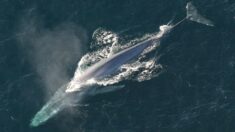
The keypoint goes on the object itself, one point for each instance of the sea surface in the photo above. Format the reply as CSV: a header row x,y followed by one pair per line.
x,y
41,42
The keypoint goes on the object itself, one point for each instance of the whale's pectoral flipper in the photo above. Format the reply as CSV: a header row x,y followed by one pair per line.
x,y
193,15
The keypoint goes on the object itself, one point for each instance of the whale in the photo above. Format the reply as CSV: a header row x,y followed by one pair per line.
x,y
83,84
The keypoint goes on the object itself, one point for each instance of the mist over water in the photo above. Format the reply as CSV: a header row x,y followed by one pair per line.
x,y
51,51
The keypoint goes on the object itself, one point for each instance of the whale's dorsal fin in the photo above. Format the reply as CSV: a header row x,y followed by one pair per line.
x,y
193,15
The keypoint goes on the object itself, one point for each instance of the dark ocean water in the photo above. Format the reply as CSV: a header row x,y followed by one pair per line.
x,y
42,41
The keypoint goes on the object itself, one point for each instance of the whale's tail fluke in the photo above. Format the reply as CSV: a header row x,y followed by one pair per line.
x,y
194,15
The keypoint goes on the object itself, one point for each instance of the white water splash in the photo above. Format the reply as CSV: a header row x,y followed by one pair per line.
x,y
141,69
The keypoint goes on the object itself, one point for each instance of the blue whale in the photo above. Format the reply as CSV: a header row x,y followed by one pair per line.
x,y
78,87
